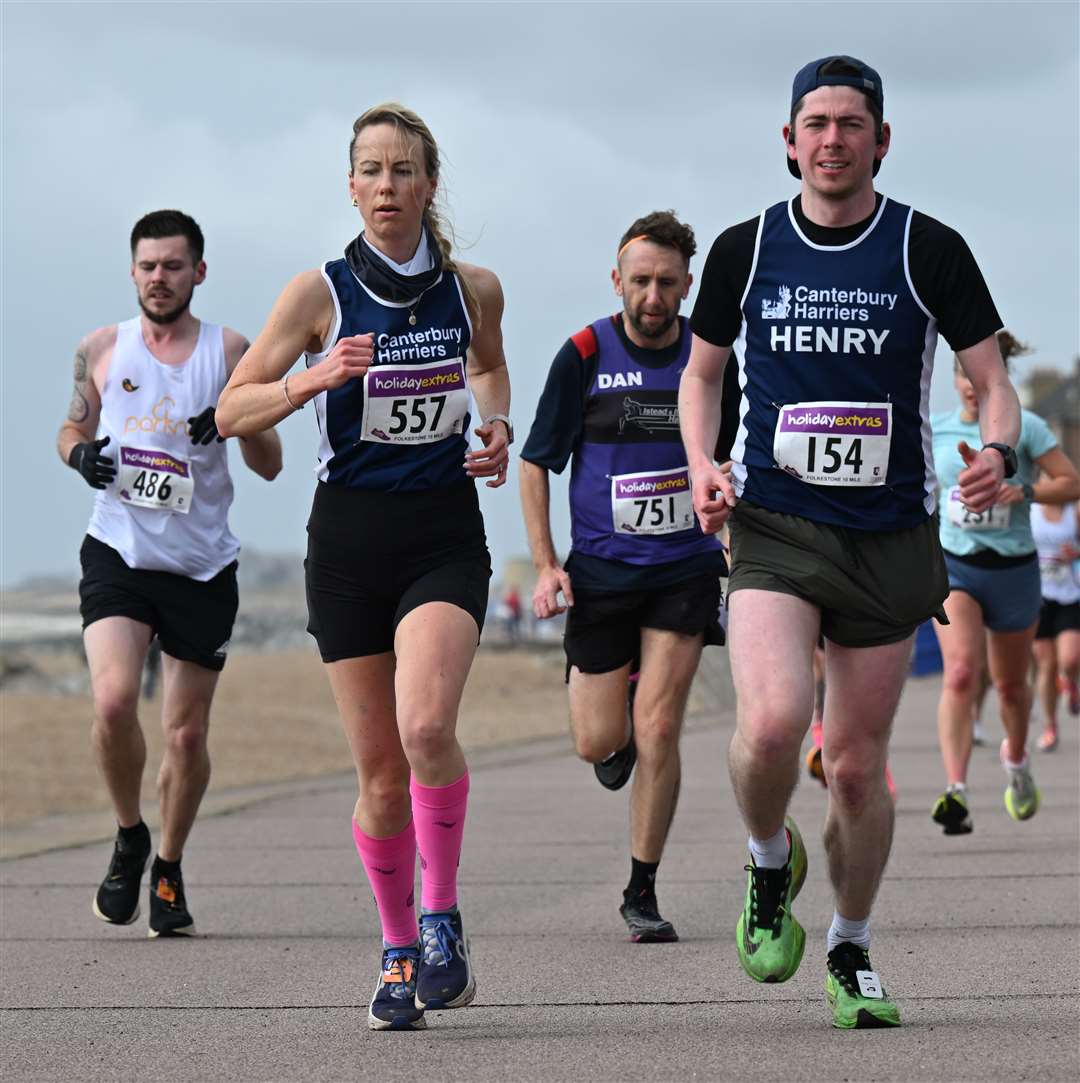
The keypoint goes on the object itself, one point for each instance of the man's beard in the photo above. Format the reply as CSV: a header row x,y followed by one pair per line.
x,y
656,332
167,317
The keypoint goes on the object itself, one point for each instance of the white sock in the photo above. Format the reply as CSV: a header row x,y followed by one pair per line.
x,y
858,932
956,787
770,853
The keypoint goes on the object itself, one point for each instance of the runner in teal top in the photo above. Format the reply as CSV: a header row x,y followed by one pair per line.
x,y
994,594
1005,527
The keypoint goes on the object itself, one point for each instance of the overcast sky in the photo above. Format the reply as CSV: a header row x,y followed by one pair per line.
x,y
559,124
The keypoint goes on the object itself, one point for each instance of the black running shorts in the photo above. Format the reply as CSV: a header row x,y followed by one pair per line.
x,y
375,556
603,630
872,587
1056,617
192,620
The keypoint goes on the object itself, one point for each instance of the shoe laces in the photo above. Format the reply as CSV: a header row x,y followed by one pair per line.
x,y
645,904
399,967
768,889
844,961
438,939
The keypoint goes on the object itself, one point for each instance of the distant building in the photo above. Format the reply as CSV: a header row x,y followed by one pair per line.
x,y
1056,399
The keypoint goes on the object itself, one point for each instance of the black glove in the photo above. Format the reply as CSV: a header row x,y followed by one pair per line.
x,y
203,428
98,469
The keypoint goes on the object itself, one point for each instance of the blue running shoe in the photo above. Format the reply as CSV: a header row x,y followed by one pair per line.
x,y
393,1006
446,978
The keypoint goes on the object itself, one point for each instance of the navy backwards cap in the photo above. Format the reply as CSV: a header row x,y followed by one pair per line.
x,y
836,71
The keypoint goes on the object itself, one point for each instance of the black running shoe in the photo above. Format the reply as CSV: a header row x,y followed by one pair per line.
x,y
614,772
446,978
951,812
644,921
168,910
117,899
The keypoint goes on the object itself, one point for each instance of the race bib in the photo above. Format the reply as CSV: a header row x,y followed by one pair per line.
x,y
154,479
996,517
655,502
1055,573
834,443
415,404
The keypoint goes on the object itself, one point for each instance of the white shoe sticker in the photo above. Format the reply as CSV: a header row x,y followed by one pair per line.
x,y
869,984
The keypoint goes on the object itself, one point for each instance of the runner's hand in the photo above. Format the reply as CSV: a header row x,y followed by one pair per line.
x,y
1009,494
549,583
981,480
349,360
491,460
714,497
97,469
203,428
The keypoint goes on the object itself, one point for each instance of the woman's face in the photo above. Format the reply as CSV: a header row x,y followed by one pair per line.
x,y
389,182
969,401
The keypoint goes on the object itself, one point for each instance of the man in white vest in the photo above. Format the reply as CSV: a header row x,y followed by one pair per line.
x,y
158,559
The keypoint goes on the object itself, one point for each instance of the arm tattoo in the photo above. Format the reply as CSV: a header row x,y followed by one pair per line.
x,y
79,410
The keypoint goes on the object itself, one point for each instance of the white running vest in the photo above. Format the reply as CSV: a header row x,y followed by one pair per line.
x,y
1060,582
168,508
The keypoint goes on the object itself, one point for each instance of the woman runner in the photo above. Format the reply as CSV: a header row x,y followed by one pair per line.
x,y
1056,531
993,585
396,336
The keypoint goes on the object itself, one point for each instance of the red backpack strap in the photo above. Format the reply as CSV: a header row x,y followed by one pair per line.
x,y
585,342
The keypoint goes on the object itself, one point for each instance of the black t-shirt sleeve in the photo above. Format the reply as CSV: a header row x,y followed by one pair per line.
x,y
717,314
950,284
560,413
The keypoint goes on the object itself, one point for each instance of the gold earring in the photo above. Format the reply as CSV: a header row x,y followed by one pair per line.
x,y
355,204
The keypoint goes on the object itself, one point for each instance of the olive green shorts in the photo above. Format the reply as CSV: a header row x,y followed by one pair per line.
x,y
871,587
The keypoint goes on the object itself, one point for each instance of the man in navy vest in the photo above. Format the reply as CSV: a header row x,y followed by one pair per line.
x,y
831,303
642,582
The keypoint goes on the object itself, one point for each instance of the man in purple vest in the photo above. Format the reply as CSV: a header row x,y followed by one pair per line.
x,y
641,586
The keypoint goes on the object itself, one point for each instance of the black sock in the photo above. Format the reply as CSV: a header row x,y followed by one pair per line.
x,y
134,835
642,878
171,869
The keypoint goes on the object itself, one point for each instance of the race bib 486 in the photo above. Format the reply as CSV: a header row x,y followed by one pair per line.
x,y
834,443
154,479
415,404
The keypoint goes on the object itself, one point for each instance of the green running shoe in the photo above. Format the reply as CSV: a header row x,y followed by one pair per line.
x,y
769,939
855,992
1021,795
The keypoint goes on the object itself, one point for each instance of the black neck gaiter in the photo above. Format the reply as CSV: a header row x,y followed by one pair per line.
x,y
383,280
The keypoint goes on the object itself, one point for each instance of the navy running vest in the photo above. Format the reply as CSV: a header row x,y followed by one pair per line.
x,y
629,488
835,355
402,428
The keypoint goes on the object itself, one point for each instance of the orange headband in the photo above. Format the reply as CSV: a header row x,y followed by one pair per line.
x,y
639,237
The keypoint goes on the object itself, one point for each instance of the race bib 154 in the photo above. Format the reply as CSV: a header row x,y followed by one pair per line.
x,y
834,443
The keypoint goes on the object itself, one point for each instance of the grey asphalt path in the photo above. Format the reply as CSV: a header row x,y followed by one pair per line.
x,y
976,939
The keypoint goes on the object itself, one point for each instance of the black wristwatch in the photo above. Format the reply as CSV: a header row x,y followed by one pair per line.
x,y
1007,454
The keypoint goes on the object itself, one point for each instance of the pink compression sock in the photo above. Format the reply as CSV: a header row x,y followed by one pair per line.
x,y
390,865
439,815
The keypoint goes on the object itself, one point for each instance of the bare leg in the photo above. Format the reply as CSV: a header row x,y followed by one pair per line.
x,y
864,686
598,719
1046,675
364,691
188,690
962,648
115,651
772,646
1068,656
435,645
1009,656
668,664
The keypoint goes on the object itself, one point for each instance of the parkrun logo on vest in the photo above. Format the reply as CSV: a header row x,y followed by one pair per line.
x,y
430,344
158,420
